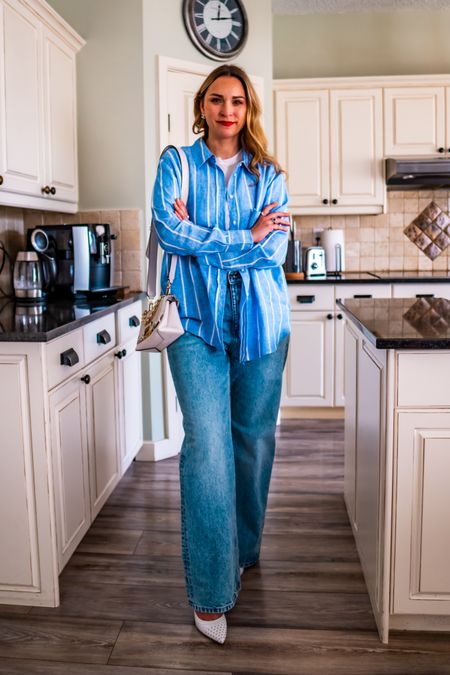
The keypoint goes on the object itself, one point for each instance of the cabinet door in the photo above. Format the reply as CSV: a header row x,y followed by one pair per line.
x,y
422,544
70,466
308,378
414,120
351,379
339,359
302,142
103,431
130,404
60,119
21,165
356,148
369,468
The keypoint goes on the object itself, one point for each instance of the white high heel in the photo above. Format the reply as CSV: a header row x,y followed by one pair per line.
x,y
215,630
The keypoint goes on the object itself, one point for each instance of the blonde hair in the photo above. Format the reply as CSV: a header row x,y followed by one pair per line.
x,y
252,136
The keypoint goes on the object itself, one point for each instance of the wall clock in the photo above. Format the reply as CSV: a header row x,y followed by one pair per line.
x,y
218,28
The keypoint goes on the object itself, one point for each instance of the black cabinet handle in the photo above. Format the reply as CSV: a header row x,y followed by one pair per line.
x,y
441,149
103,337
69,358
306,299
362,295
339,316
329,317
424,295
324,201
1,180
334,201
121,354
124,352
53,190
86,379
133,321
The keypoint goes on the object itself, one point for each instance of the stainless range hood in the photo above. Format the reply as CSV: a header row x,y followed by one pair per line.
x,y
413,173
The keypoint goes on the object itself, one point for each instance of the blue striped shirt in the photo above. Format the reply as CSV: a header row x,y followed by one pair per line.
x,y
209,245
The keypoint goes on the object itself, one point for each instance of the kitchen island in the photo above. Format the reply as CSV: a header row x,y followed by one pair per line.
x,y
397,456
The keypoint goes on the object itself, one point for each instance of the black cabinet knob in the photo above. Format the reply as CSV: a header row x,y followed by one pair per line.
x,y
441,149
1,180
69,358
133,321
324,201
46,190
124,352
334,201
53,190
86,379
329,317
120,354
103,337
339,316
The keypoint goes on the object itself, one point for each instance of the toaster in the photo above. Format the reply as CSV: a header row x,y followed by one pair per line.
x,y
315,263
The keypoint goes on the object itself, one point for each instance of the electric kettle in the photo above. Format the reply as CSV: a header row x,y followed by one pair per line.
x,y
30,279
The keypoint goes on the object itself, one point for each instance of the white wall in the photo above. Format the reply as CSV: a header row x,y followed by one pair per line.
x,y
118,109
399,42
110,101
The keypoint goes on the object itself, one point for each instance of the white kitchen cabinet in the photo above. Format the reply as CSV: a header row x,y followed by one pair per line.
x,y
422,545
415,120
70,466
21,118
309,372
330,142
129,384
62,431
60,129
421,290
315,368
38,140
103,430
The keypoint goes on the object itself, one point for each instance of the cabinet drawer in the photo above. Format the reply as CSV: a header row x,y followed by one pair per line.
x,y
65,356
98,337
127,318
423,382
309,296
416,290
345,291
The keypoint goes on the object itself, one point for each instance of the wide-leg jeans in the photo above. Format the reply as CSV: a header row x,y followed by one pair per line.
x,y
229,416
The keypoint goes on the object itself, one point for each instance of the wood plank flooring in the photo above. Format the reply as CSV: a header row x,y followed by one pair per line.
x,y
303,611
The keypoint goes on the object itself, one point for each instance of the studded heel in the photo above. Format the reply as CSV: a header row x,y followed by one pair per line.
x,y
215,630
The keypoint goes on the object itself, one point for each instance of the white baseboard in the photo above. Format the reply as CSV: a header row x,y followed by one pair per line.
x,y
153,451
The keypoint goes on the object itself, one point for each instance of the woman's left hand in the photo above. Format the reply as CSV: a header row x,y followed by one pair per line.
x,y
180,209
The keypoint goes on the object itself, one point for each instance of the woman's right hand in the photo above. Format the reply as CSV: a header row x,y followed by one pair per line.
x,y
267,222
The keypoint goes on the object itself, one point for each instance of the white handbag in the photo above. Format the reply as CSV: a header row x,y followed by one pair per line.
x,y
160,323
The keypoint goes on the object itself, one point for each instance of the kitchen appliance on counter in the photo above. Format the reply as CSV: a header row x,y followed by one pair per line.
x,y
293,262
333,242
315,263
82,255
32,277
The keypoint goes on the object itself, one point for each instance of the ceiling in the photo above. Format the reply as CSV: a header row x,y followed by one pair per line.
x,y
342,6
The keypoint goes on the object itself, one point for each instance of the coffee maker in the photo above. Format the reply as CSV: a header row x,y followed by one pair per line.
x,y
82,256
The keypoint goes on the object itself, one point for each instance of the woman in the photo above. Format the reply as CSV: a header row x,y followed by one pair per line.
x,y
231,239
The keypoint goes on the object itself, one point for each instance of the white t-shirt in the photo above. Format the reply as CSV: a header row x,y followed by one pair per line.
x,y
229,165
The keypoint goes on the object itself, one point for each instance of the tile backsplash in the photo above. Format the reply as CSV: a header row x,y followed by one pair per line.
x,y
126,224
378,243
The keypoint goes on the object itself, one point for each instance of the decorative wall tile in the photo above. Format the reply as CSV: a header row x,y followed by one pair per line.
x,y
429,230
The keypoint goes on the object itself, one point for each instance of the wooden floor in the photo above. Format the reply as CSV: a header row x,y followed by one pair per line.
x,y
304,610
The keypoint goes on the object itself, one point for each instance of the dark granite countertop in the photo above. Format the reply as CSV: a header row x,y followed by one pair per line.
x,y
401,323
378,278
20,322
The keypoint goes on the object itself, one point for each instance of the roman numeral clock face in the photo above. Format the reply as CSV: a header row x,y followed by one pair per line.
x,y
218,28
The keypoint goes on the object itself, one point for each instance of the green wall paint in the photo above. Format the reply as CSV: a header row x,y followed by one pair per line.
x,y
402,42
